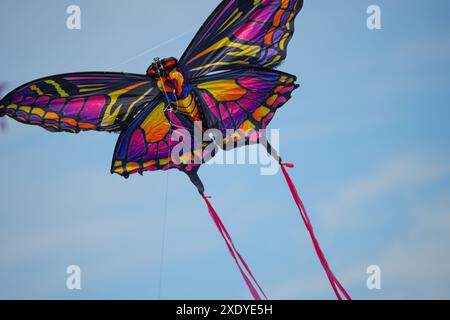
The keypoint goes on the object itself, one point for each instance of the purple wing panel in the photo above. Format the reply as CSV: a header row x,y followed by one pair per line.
x,y
243,101
159,138
242,33
80,101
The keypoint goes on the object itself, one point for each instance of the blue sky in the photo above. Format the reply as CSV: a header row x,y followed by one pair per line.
x,y
367,130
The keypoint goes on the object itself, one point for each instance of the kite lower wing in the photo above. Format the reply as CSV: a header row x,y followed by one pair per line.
x,y
243,101
159,138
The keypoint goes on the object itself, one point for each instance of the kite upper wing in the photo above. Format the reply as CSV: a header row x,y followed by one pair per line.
x,y
103,101
242,33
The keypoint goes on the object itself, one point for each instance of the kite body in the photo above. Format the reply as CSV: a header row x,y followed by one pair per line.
x,y
225,80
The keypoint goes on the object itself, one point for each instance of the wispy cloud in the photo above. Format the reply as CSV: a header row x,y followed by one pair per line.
x,y
414,262
395,175
413,266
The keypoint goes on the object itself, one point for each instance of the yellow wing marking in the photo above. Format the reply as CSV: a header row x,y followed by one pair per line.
x,y
36,89
283,41
25,109
245,49
274,60
156,124
223,90
38,111
90,85
219,64
235,15
134,103
247,126
228,19
109,118
260,113
58,88
92,89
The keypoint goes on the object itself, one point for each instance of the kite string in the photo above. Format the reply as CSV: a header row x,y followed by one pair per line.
x,y
164,227
150,50
163,240
335,284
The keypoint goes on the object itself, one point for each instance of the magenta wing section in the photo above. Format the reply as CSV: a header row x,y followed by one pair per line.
x,y
244,101
242,33
102,101
159,138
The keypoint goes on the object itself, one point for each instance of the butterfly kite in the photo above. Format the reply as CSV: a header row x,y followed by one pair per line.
x,y
2,123
225,80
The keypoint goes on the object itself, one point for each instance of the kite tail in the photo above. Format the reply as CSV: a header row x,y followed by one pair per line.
x,y
246,273
335,284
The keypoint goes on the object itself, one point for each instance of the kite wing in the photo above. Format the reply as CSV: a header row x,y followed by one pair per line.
x,y
242,33
80,101
149,142
243,100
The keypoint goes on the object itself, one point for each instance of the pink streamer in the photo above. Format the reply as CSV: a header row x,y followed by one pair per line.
x,y
335,284
256,291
